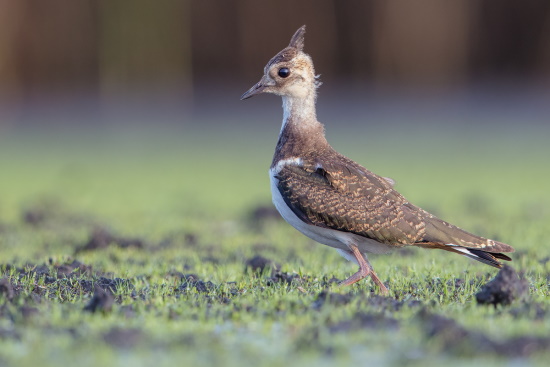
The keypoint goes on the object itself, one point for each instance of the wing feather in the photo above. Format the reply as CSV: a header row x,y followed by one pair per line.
x,y
346,197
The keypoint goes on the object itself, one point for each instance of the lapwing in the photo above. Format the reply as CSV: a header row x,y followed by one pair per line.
x,y
337,202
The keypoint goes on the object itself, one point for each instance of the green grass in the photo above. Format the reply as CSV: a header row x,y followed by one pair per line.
x,y
164,186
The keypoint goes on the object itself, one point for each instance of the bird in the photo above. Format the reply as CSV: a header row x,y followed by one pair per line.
x,y
334,200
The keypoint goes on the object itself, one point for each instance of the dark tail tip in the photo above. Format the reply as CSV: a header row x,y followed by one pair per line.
x,y
489,258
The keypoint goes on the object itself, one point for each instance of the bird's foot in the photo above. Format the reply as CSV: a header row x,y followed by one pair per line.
x,y
364,269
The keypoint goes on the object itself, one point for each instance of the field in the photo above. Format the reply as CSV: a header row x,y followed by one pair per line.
x,y
136,247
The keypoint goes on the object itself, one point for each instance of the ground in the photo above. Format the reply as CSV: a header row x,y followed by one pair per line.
x,y
141,247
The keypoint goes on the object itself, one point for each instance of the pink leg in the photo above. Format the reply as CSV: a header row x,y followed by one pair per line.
x,y
364,269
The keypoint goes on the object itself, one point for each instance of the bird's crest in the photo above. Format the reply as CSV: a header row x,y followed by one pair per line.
x,y
297,41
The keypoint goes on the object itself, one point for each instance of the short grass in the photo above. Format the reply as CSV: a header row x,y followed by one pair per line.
x,y
188,195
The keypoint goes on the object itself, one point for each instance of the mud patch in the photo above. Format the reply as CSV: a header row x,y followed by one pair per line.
x,y
264,213
123,338
533,310
67,270
336,299
379,303
6,333
506,287
262,216
28,312
452,336
50,213
459,341
258,264
112,285
264,247
101,301
278,276
102,238
44,210
4,228
72,269
327,282
192,281
191,239
6,289
72,279
35,216
362,320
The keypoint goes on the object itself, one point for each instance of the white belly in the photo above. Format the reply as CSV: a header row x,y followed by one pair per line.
x,y
330,237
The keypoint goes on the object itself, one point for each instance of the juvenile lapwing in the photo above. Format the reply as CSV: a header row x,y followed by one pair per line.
x,y
335,201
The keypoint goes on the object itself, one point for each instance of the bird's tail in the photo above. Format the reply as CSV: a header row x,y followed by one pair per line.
x,y
445,236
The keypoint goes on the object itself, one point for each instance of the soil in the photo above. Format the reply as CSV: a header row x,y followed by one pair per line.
x,y
505,288
9,334
6,288
102,293
74,277
265,212
362,320
101,301
258,264
462,342
380,303
71,278
101,238
34,217
262,215
336,299
192,281
28,312
278,276
123,338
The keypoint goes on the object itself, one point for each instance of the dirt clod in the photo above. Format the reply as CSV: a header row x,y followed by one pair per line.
x,y
192,281
363,320
191,239
458,340
101,238
34,217
259,263
278,276
336,299
503,289
262,213
28,312
6,288
123,338
40,270
453,337
106,284
7,333
101,301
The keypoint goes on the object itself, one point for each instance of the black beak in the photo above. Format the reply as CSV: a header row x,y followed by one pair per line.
x,y
256,89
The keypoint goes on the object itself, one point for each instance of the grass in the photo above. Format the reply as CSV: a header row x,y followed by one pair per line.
x,y
190,207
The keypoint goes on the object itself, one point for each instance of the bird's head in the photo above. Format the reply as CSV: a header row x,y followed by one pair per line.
x,y
289,73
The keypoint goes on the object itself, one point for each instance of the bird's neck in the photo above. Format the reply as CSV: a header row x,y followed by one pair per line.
x,y
301,133
299,111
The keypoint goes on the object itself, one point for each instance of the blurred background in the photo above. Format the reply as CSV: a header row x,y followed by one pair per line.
x,y
178,56
102,97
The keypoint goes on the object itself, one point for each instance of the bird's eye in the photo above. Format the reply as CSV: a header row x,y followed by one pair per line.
x,y
283,72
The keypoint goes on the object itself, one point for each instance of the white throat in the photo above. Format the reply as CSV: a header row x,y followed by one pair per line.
x,y
301,110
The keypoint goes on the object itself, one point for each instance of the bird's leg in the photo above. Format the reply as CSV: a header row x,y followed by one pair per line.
x,y
365,268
